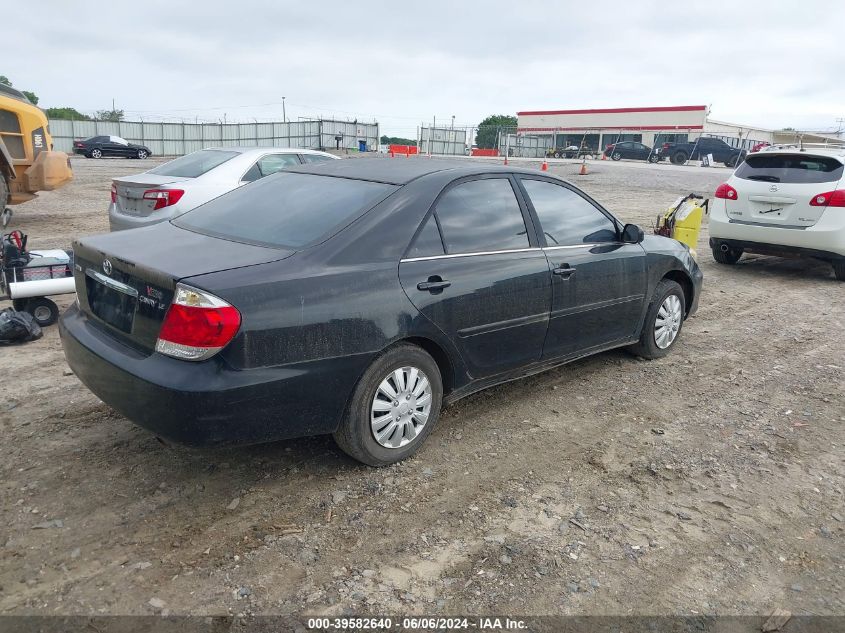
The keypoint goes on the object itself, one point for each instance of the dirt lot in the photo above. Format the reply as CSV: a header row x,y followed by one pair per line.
x,y
707,482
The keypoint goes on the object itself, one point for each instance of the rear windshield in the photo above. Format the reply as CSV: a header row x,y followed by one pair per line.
x,y
285,210
793,168
194,165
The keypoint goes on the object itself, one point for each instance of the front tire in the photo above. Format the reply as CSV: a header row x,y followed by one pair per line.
x,y
663,322
729,257
616,156
394,407
142,154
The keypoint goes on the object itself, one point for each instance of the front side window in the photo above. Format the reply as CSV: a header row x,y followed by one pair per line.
x,y
481,215
10,132
566,218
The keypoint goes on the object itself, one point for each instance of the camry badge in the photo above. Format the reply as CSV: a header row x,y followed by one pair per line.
x,y
107,267
773,188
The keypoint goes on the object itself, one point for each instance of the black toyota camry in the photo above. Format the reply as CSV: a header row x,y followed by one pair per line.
x,y
358,297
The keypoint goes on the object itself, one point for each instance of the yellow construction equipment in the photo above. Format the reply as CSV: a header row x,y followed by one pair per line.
x,y
28,163
682,221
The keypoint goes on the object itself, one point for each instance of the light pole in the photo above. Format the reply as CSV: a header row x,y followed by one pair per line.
x,y
284,114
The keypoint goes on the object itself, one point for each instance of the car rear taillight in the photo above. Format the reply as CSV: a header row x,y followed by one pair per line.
x,y
163,197
78,144
726,192
834,198
113,193
197,325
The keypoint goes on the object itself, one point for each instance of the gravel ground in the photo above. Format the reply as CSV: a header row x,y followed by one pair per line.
x,y
707,482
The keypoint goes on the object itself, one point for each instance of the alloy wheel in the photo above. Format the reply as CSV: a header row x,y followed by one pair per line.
x,y
95,153
668,321
400,407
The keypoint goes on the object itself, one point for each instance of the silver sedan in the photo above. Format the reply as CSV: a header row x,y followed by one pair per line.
x,y
189,181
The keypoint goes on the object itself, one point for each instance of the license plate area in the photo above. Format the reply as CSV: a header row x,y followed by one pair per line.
x,y
113,302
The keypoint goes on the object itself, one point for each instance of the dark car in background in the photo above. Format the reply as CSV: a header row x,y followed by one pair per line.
x,y
357,297
679,153
102,146
631,150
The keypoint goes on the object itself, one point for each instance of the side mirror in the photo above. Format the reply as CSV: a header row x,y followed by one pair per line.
x,y
632,234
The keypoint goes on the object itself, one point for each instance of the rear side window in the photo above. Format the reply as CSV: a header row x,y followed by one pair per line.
x,y
315,158
194,165
427,242
481,215
566,218
790,168
285,210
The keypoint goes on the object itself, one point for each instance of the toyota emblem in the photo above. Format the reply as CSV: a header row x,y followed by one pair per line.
x,y
107,267
773,188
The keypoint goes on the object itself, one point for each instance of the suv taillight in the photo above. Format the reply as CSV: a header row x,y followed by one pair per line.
x,y
163,197
835,198
113,193
726,192
197,325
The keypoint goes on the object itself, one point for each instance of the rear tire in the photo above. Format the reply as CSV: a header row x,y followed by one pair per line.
x,y
730,257
96,153
679,158
673,320
356,434
43,310
654,158
839,269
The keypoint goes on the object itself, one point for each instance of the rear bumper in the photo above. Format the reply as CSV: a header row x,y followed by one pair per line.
x,y
121,222
824,240
208,403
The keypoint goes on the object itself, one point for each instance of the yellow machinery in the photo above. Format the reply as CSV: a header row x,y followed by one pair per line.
x,y
683,220
28,163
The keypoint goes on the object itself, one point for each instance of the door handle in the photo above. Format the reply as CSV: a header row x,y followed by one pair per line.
x,y
433,285
564,271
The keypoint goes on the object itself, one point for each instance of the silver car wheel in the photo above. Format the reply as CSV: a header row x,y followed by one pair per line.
x,y
400,407
95,153
668,321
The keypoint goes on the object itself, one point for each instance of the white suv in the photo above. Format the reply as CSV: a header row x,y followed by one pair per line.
x,y
783,201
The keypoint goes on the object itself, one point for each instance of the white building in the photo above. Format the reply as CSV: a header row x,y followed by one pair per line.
x,y
652,126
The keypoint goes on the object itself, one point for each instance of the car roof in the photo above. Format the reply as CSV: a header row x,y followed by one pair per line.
x,y
400,171
831,151
265,149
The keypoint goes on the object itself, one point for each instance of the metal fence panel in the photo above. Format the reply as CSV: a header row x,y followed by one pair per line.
x,y
448,141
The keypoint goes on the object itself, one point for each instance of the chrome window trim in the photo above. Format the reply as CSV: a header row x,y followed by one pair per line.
x,y
454,255
111,283
591,245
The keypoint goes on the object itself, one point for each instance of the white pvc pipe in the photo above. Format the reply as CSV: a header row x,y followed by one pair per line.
x,y
41,287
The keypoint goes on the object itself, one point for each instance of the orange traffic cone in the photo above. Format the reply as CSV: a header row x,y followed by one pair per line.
x,y
506,160
604,155
392,155
545,166
583,170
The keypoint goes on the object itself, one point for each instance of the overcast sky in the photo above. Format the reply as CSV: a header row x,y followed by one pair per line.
x,y
772,64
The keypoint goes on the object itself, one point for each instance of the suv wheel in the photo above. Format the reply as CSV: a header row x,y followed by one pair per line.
x,y
730,256
664,321
839,269
732,161
679,158
394,407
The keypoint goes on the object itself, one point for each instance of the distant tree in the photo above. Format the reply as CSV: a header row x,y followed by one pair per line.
x,y
397,140
67,113
5,80
31,96
488,129
109,115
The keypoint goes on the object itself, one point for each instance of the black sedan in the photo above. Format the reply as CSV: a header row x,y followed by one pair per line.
x,y
357,297
632,150
100,146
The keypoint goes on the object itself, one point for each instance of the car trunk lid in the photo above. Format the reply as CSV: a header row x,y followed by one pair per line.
x,y
776,189
129,192
125,281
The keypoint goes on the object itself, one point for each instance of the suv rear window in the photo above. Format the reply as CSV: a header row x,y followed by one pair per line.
x,y
285,210
790,168
194,165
